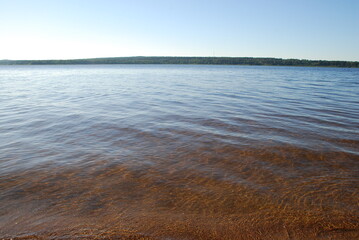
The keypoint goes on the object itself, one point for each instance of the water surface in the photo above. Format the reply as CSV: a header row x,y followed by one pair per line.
x,y
179,152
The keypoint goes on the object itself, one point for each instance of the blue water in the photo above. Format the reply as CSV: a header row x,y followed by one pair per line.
x,y
213,140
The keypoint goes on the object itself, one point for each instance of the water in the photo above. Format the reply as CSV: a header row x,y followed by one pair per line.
x,y
179,152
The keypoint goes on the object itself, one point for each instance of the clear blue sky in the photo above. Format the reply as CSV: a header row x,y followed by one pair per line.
x,y
64,29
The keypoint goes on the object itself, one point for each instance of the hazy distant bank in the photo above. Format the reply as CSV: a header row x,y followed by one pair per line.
x,y
191,60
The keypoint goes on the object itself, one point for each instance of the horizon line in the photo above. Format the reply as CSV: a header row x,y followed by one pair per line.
x,y
69,59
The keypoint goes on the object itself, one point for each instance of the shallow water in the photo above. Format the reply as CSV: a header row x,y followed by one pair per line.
x,y
179,152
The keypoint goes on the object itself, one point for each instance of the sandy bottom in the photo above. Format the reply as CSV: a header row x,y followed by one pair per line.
x,y
194,196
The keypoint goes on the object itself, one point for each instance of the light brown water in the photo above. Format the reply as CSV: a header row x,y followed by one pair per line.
x,y
179,152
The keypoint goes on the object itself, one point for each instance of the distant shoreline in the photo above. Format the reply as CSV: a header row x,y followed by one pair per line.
x,y
192,60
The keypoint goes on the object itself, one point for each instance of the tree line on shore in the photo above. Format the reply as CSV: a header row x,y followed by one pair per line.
x,y
191,60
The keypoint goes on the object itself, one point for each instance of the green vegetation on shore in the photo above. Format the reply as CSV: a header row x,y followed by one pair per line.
x,y
191,60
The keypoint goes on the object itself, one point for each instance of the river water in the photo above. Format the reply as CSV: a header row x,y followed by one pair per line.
x,y
179,152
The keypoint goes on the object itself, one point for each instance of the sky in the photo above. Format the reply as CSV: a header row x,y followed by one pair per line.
x,y
70,29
